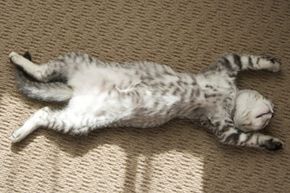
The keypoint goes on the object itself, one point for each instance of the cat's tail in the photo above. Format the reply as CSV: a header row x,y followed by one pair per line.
x,y
50,92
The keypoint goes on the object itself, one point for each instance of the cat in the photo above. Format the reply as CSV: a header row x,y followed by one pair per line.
x,y
145,94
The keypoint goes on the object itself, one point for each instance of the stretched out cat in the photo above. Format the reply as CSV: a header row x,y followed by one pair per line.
x,y
145,94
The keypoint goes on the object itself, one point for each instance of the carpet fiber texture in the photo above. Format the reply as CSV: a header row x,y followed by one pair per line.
x,y
176,157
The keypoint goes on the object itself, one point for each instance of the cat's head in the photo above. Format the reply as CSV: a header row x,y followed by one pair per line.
x,y
252,111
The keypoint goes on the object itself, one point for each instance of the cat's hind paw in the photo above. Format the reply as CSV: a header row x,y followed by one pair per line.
x,y
12,54
17,135
16,58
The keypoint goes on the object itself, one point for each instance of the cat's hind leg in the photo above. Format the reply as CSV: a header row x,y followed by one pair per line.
x,y
53,70
63,120
37,120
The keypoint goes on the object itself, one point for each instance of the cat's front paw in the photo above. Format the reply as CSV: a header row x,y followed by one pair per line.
x,y
275,63
273,144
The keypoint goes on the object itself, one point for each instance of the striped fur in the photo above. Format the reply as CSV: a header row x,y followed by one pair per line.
x,y
145,94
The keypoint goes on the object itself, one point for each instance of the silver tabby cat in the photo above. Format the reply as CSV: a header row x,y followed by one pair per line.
x,y
145,94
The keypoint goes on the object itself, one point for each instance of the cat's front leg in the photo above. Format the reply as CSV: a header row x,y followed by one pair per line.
x,y
224,129
233,63
234,136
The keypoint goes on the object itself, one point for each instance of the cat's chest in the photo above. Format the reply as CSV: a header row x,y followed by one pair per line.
x,y
216,86
215,83
219,91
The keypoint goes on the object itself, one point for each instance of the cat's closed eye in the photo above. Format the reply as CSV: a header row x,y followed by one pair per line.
x,y
263,114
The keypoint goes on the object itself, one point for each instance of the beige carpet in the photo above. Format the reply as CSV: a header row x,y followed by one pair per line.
x,y
177,157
